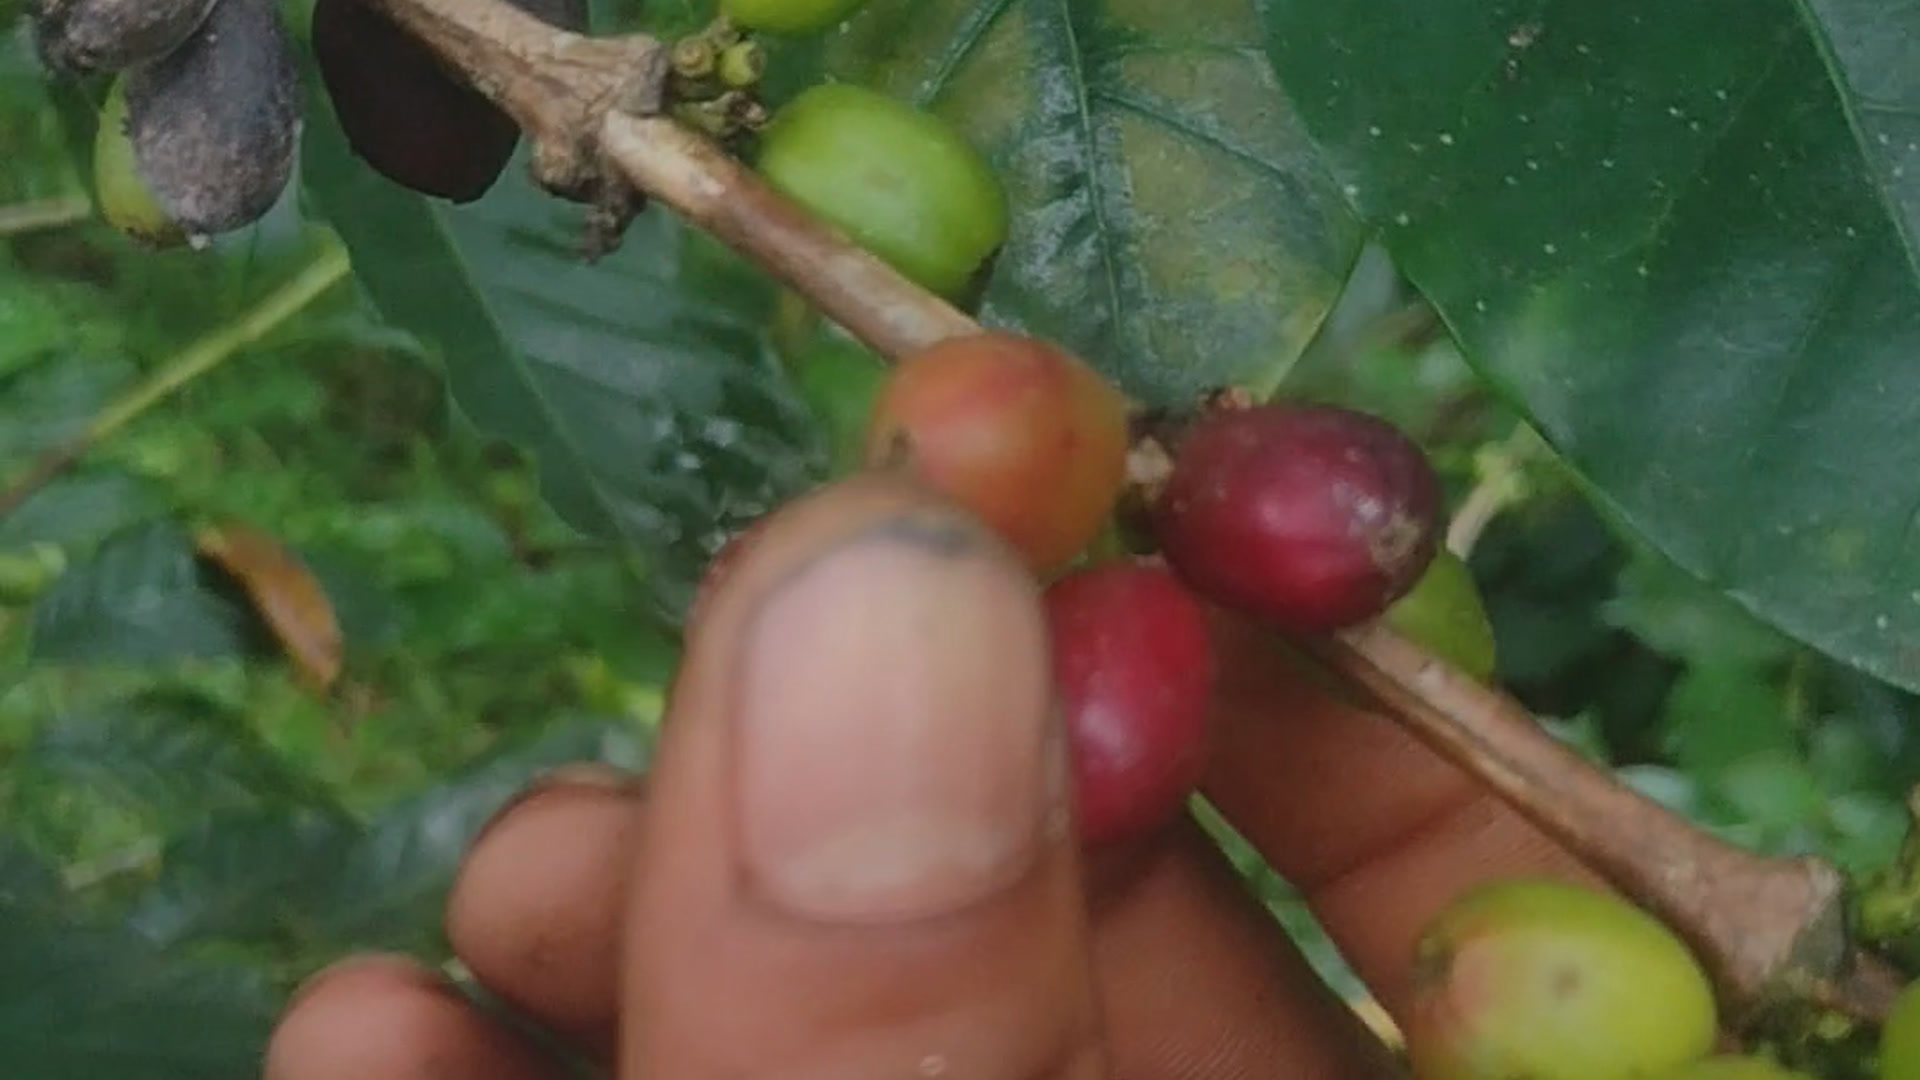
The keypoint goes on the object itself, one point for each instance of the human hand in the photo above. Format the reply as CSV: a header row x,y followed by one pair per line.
x,y
851,858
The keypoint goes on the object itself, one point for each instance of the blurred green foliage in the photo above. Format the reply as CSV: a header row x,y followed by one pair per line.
x,y
175,799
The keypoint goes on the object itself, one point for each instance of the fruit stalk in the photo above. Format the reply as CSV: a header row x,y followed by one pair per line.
x,y
691,174
326,271
1766,929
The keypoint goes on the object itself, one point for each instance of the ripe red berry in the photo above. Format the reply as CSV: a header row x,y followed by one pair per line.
x,y
1135,671
1026,436
1312,518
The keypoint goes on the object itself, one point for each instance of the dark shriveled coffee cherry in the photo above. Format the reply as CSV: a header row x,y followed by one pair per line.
x,y
403,113
1310,518
81,37
1135,671
214,124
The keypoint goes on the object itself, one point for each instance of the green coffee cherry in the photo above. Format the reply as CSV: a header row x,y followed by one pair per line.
x,y
1900,1037
1546,980
789,16
1733,1067
902,183
79,37
119,191
840,380
1445,615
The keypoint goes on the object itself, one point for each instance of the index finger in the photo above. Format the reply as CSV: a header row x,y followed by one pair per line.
x,y
857,860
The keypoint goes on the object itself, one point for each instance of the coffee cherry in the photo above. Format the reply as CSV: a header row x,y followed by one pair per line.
x,y
840,380
1445,615
1312,518
81,37
214,124
1023,434
1551,981
900,182
121,194
1900,1037
1135,671
1733,1067
403,113
789,16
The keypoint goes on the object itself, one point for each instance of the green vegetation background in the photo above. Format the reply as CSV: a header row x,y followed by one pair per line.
x,y
185,831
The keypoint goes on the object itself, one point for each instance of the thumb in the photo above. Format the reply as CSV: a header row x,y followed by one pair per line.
x,y
858,862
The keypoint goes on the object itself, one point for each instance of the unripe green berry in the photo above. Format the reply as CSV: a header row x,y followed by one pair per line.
x,y
1900,1037
1445,615
123,197
1547,980
1733,1067
793,17
900,182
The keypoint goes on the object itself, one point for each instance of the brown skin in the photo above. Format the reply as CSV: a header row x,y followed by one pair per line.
x,y
1152,965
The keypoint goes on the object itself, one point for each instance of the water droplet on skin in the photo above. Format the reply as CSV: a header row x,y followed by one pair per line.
x,y
933,1065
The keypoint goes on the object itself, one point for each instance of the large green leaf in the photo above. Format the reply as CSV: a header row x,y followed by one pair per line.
x,y
1873,50
387,889
81,1001
1652,226
169,756
1171,221
144,597
80,507
643,384
241,875
272,875
51,399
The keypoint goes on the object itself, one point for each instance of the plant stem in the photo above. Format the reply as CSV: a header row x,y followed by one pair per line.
x,y
196,360
1766,929
45,214
888,313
